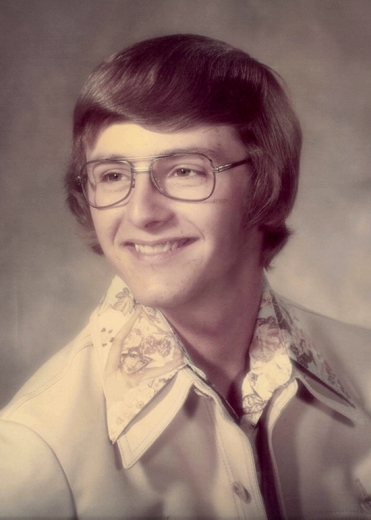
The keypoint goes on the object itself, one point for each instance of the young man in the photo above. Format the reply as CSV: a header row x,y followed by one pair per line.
x,y
195,391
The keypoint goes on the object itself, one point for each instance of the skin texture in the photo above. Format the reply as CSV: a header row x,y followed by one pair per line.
x,y
199,285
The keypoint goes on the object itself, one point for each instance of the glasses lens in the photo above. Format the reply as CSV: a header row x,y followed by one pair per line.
x,y
106,182
185,177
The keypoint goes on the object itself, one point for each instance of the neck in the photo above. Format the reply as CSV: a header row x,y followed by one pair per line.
x,y
218,333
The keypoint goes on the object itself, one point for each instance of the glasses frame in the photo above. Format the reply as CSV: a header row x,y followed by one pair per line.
x,y
134,171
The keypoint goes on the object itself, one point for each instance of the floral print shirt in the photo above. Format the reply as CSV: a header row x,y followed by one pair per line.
x,y
142,354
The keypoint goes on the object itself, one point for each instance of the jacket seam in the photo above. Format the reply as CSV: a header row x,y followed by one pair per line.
x,y
46,385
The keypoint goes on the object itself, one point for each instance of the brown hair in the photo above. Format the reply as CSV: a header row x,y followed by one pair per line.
x,y
179,81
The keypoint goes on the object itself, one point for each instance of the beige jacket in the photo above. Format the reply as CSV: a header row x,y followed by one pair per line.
x,y
184,456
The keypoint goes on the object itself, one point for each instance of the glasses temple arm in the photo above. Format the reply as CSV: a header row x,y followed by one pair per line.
x,y
231,165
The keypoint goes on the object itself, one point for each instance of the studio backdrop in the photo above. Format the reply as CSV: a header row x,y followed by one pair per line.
x,y
50,282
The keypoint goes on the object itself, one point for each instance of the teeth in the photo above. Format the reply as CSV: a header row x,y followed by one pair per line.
x,y
159,248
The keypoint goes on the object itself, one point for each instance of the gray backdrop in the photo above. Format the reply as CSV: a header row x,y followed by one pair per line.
x,y
49,281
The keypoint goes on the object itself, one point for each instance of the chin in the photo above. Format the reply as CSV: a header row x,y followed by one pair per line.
x,y
160,297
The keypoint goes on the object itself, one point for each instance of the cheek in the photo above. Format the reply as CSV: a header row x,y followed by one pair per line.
x,y
230,223
106,223
219,222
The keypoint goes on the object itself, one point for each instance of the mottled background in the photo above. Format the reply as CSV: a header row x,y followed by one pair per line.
x,y
49,281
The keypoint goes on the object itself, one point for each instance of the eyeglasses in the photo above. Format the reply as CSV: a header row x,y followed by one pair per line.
x,y
185,177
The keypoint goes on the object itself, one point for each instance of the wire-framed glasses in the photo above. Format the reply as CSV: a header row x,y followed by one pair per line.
x,y
187,177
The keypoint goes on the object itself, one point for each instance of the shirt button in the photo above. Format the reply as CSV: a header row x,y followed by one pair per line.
x,y
241,492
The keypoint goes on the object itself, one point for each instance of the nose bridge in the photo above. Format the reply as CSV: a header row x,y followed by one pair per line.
x,y
138,171
146,191
144,166
146,206
141,170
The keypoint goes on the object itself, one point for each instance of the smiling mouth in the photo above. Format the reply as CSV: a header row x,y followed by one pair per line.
x,y
159,248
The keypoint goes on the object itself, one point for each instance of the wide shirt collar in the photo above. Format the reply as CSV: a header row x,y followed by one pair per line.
x,y
141,354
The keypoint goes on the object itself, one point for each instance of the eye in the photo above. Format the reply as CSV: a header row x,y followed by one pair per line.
x,y
114,176
183,172
187,171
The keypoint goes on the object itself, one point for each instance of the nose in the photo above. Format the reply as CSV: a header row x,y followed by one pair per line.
x,y
147,207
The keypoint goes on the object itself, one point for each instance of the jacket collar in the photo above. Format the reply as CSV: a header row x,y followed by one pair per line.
x,y
305,355
141,354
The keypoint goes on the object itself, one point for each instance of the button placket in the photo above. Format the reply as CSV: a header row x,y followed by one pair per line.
x,y
236,452
238,455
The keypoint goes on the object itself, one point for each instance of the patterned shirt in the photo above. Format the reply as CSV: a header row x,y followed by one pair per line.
x,y
142,354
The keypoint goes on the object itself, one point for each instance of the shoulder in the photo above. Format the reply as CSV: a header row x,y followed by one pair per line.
x,y
58,386
30,468
347,348
59,409
34,482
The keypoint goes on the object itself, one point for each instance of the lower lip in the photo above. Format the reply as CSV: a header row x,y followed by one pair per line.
x,y
158,257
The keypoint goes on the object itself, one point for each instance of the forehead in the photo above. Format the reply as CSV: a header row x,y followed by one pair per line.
x,y
220,143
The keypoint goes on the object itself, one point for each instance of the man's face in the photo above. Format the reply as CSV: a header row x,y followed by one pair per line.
x,y
172,253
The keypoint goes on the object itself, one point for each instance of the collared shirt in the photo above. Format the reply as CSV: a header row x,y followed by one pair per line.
x,y
162,410
142,354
